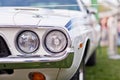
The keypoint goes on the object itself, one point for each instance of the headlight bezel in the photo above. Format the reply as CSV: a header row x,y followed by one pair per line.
x,y
64,32
17,44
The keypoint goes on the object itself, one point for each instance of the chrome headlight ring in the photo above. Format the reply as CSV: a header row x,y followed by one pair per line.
x,y
27,41
55,41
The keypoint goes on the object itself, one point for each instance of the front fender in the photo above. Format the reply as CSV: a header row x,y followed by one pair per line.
x,y
67,73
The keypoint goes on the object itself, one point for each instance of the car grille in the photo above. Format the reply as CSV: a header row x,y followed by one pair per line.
x,y
4,50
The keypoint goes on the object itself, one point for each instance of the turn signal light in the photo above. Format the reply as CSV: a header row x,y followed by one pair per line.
x,y
36,76
81,45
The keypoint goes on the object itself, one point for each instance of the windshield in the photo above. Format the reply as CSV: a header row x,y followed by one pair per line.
x,y
54,4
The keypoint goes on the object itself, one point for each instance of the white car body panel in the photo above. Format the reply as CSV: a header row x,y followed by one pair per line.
x,y
11,16
16,19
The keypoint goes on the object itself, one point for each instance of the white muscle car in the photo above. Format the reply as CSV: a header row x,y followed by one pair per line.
x,y
46,39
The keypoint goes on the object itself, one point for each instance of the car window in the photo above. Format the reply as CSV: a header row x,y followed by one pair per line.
x,y
55,4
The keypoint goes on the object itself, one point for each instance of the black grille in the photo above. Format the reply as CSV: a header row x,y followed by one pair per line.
x,y
4,50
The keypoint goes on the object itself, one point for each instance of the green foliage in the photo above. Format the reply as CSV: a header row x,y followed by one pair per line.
x,y
105,69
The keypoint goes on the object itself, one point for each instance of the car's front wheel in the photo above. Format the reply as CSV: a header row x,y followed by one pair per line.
x,y
92,59
80,73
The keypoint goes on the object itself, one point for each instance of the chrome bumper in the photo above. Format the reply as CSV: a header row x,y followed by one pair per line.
x,y
35,58
37,62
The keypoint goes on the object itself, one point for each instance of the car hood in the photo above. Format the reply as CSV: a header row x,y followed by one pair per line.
x,y
35,16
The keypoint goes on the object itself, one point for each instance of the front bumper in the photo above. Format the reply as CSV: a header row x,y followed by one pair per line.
x,y
11,63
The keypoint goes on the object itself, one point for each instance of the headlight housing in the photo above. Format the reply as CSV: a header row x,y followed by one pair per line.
x,y
55,41
27,41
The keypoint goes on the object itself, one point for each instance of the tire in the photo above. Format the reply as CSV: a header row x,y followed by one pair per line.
x,y
80,73
92,59
6,71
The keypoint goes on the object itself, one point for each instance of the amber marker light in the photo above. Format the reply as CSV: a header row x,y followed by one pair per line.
x,y
81,45
36,76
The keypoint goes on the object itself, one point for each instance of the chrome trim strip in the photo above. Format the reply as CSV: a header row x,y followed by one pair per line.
x,y
18,59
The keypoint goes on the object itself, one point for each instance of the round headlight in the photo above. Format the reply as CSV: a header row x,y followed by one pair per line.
x,y
55,41
27,41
